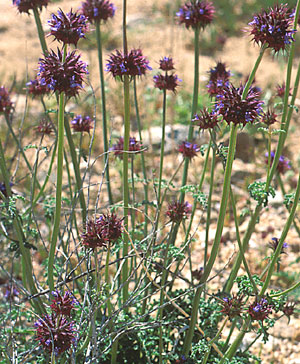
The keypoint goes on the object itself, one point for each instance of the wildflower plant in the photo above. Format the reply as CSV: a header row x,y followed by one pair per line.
x,y
110,246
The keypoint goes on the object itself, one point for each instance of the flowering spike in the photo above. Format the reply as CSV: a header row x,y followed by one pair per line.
x,y
6,105
196,14
62,76
68,28
45,127
259,310
269,117
166,82
177,211
35,88
118,148
237,110
82,124
133,64
63,305
273,28
188,149
232,307
218,79
166,64
25,5
205,119
98,10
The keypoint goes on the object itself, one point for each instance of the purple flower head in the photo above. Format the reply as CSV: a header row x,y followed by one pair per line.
x,y
237,110
63,305
280,91
61,76
25,5
274,244
198,273
6,105
259,310
269,117
3,188
10,290
36,89
98,10
188,149
82,124
177,211
132,64
218,79
232,307
45,127
166,82
68,28
283,163
106,229
55,333
205,119
166,64
196,14
273,28
118,148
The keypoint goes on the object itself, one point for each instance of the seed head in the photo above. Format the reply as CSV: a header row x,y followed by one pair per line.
x,y
196,14
166,82
166,64
68,28
177,211
259,310
188,149
36,89
6,105
98,10
273,28
62,76
283,163
63,305
55,333
218,79
25,5
132,64
232,307
82,124
205,119
44,127
237,110
118,148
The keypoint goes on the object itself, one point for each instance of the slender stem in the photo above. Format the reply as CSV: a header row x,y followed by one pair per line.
x,y
57,216
104,117
283,293
76,170
133,196
145,183
162,147
97,283
40,31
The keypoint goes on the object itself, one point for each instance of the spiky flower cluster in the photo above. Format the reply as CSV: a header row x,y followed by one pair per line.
x,y
5,104
188,150
237,110
55,333
232,307
259,310
274,244
25,5
196,14
283,163
177,211
269,117
131,64
68,28
45,127
63,305
118,148
98,233
35,88
280,90
62,76
289,308
206,119
273,28
166,64
82,123
98,10
218,79
166,82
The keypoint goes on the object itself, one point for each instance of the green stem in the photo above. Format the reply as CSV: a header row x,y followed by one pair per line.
x,y
57,216
76,170
104,117
283,293
162,146
40,31
145,183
